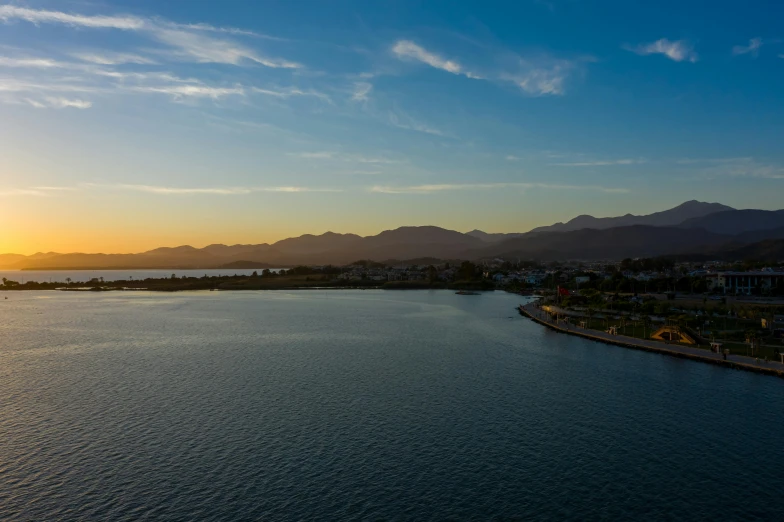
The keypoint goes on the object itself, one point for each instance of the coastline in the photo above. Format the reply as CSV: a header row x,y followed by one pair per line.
x,y
738,362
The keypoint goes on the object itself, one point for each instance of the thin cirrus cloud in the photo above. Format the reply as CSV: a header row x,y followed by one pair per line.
x,y
114,58
61,103
31,63
740,167
449,187
190,45
404,121
535,77
361,91
350,158
42,191
218,191
408,50
36,16
676,50
752,48
603,163
179,92
188,42
292,92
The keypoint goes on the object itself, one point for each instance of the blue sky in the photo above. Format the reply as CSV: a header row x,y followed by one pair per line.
x,y
145,123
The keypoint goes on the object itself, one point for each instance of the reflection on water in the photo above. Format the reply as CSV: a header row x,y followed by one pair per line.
x,y
363,405
82,276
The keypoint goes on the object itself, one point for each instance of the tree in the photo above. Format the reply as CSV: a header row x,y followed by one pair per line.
x,y
467,271
68,280
646,325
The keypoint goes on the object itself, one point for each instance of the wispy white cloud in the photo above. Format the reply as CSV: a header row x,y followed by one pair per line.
x,y
512,158
218,191
362,91
21,85
677,50
538,81
114,58
216,29
693,161
602,163
292,91
191,45
31,63
535,76
34,191
191,91
404,121
408,50
313,155
449,187
65,103
753,48
350,158
36,16
742,167
185,41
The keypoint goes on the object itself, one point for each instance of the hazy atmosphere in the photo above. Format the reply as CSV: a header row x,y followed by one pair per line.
x,y
126,126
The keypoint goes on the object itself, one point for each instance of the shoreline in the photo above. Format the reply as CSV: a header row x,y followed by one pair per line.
x,y
738,362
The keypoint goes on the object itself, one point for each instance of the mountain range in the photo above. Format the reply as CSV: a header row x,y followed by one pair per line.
x,y
692,227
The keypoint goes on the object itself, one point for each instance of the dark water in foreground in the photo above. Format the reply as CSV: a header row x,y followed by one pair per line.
x,y
364,405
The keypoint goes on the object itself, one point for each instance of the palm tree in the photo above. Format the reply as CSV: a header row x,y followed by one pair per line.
x,y
68,280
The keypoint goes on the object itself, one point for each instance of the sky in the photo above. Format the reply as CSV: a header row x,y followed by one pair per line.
x,y
130,125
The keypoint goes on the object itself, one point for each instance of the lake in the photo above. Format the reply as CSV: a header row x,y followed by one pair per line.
x,y
363,405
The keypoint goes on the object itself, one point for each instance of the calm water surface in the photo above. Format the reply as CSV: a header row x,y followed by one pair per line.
x,y
59,276
364,405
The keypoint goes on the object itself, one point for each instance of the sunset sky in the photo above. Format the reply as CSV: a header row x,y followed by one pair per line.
x,y
126,126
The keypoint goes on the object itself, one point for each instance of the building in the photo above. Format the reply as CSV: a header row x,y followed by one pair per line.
x,y
745,283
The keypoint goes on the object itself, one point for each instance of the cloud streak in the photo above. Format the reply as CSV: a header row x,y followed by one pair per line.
x,y
362,91
114,58
186,41
292,92
189,45
350,158
35,16
743,167
403,121
449,187
535,77
677,50
753,48
410,51
598,163
34,191
219,191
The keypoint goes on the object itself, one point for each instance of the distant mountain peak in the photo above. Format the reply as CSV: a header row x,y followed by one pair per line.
x,y
666,218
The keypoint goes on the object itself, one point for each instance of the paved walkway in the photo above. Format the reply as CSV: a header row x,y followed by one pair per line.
x,y
533,311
